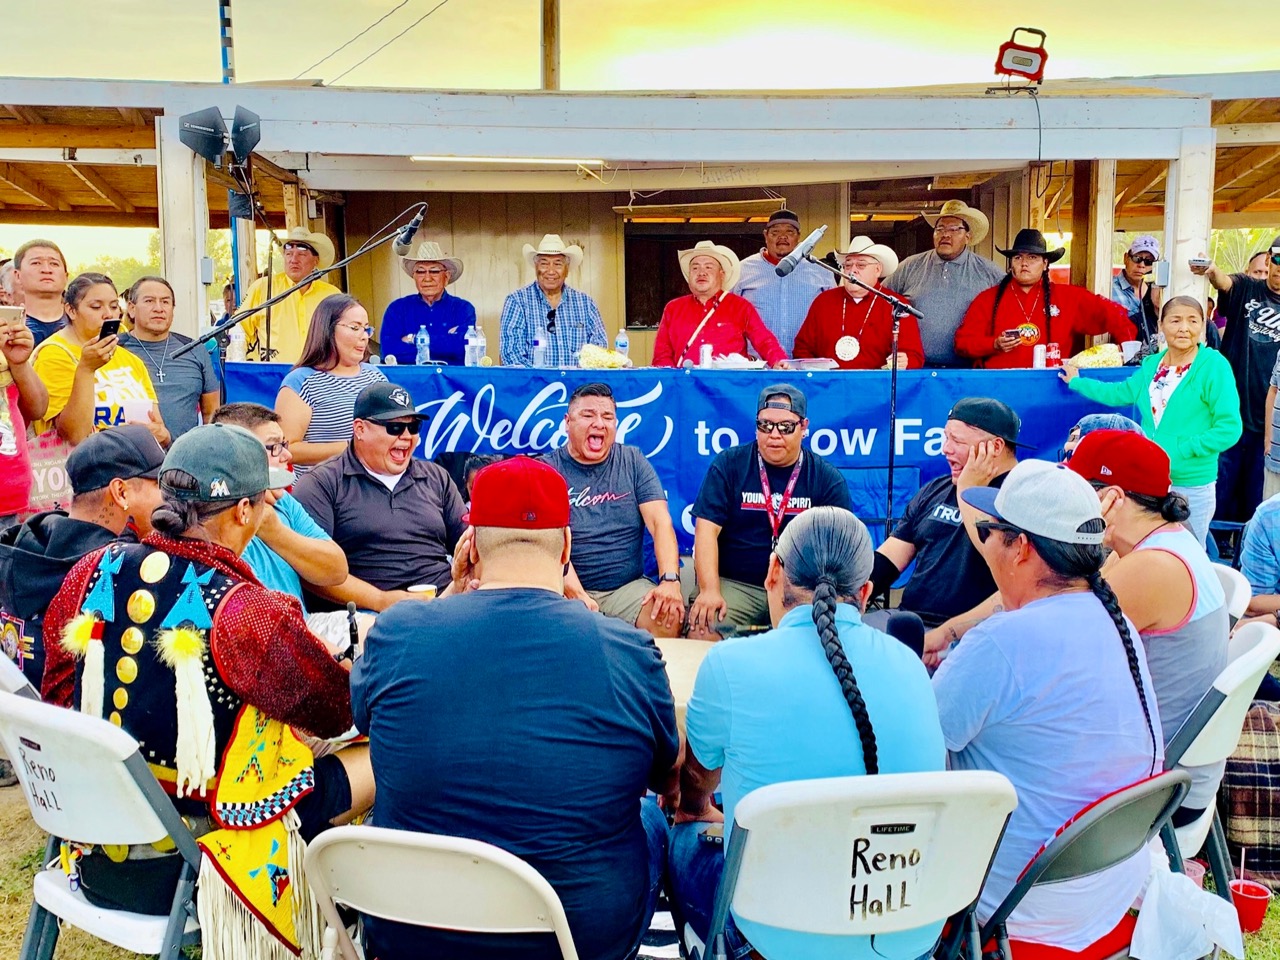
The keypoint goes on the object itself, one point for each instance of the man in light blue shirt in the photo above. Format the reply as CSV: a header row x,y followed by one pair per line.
x,y
770,709
568,319
782,302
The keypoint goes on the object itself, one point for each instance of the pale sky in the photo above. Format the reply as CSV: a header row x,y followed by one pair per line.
x,y
611,44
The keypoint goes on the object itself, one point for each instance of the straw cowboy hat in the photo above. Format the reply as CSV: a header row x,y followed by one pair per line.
x,y
976,219
727,258
552,246
865,247
1032,241
429,252
318,242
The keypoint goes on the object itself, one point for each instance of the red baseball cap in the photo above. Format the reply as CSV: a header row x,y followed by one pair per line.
x,y
521,493
1120,458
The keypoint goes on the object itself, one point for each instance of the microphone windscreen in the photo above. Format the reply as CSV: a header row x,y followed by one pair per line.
x,y
907,628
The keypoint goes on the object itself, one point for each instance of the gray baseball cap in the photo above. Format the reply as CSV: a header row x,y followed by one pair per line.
x,y
1046,499
783,396
228,463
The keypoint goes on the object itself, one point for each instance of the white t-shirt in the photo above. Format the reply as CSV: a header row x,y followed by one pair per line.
x,y
1044,696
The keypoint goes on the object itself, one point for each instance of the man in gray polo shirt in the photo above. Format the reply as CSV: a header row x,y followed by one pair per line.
x,y
396,517
942,282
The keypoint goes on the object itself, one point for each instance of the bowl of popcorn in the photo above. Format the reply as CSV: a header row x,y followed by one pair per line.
x,y
1101,355
598,358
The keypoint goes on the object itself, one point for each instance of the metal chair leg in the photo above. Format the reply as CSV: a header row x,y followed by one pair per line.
x,y
1216,848
179,911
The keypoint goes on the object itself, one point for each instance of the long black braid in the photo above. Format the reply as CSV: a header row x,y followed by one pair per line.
x,y
826,556
824,618
1003,285
1102,590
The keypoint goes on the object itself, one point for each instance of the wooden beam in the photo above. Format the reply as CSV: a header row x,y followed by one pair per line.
x,y
1268,187
550,44
259,162
1247,134
133,116
65,135
1144,181
94,181
1232,111
81,218
32,188
1245,165
220,177
295,207
1063,196
25,114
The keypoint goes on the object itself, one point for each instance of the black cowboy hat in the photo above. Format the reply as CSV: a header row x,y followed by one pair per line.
x,y
1032,241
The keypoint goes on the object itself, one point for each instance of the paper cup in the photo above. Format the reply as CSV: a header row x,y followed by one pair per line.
x,y
428,590
1129,349
1251,901
1195,870
136,411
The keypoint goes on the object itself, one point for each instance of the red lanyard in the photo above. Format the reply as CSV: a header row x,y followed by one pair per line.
x,y
775,519
711,308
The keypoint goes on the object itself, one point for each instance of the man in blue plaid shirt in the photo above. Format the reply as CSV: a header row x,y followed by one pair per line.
x,y
570,318
782,302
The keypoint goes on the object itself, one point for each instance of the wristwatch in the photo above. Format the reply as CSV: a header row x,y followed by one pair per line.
x,y
669,578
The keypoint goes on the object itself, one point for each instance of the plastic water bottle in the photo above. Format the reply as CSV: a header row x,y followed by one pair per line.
x,y
622,343
540,347
422,345
482,346
237,345
470,356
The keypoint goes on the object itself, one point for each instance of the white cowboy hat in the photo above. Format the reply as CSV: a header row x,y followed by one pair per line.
x,y
864,246
318,242
705,248
976,219
429,252
552,246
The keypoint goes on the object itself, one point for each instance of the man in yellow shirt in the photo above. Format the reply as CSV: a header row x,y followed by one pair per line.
x,y
304,252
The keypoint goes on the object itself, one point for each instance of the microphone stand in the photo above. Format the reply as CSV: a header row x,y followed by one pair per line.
x,y
313,276
900,309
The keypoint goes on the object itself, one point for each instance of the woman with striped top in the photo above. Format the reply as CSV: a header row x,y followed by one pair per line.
x,y
317,398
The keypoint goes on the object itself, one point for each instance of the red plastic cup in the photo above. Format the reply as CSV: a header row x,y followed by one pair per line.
x,y
1251,901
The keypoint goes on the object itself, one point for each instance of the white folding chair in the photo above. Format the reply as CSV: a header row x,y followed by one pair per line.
x,y
1237,589
430,881
799,854
1210,735
13,680
86,781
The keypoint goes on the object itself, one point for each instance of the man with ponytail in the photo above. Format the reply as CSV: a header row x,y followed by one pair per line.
x,y
1054,694
820,695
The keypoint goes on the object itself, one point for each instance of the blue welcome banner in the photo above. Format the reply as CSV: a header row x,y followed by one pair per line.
x,y
682,418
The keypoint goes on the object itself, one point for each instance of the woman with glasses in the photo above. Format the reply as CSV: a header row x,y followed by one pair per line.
x,y
1188,402
317,397
1053,693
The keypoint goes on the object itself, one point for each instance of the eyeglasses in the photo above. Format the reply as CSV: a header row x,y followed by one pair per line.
x,y
951,229
984,528
784,427
551,320
275,449
397,429
299,246
356,328
1144,261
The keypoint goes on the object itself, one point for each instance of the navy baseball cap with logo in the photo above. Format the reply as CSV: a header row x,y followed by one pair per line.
x,y
989,414
385,401
121,453
228,463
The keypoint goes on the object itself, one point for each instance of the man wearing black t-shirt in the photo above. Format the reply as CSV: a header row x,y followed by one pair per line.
x,y
950,575
749,494
1250,343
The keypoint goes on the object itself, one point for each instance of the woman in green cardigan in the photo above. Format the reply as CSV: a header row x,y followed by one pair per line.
x,y
1189,404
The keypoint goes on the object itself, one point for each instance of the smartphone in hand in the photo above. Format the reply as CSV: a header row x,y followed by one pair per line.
x,y
110,328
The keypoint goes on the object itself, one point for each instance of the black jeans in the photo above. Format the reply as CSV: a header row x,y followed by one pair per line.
x,y
1240,473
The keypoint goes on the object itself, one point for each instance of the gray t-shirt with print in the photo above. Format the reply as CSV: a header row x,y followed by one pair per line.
x,y
179,381
604,514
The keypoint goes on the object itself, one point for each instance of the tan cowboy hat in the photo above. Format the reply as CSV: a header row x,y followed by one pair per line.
x,y
318,242
976,219
552,246
429,252
864,246
727,258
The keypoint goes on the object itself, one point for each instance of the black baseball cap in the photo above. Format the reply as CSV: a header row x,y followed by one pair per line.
x,y
125,453
989,414
783,216
228,463
385,401
783,396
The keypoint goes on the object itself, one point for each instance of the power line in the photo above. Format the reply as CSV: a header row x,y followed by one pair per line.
x,y
402,3
389,42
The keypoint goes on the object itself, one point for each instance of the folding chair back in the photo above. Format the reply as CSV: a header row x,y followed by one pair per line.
x,y
431,881
1103,834
1237,589
1212,731
13,680
858,856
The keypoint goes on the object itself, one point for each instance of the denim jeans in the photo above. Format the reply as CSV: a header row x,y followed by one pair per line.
x,y
655,832
1203,503
694,868
1240,472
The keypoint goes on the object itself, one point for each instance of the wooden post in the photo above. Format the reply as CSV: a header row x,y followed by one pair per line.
x,y
184,221
295,206
1036,192
247,257
1188,210
550,44
1092,223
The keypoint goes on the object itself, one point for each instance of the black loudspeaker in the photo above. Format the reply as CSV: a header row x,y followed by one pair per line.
x,y
246,131
205,133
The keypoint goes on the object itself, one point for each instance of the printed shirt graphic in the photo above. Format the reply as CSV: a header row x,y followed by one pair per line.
x,y
604,514
1251,343
123,377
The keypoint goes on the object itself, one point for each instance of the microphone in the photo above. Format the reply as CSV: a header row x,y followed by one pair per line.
x,y
792,259
907,628
403,242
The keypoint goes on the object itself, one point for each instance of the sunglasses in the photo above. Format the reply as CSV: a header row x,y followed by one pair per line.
x,y
431,271
274,449
299,246
1144,261
397,429
1275,258
551,320
984,528
785,427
